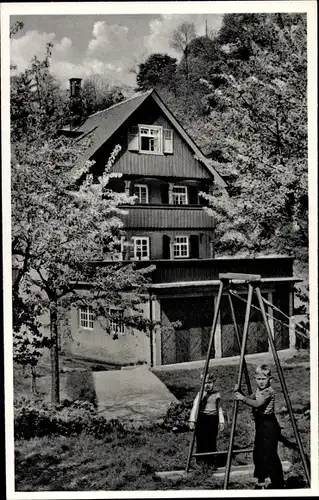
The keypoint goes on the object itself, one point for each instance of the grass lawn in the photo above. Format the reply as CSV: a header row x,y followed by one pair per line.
x,y
127,461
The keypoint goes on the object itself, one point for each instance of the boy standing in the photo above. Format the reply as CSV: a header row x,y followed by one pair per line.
x,y
266,460
210,419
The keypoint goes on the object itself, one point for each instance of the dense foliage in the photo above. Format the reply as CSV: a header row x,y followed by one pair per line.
x,y
35,419
244,101
98,94
59,228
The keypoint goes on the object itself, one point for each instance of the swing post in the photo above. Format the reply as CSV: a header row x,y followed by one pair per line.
x,y
237,335
239,380
209,350
284,386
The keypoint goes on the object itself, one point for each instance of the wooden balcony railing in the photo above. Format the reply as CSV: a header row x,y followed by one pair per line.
x,y
174,271
167,217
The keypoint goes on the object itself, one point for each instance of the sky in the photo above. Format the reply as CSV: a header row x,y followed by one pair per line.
x,y
107,45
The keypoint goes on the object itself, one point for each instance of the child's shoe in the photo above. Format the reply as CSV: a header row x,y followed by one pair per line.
x,y
260,486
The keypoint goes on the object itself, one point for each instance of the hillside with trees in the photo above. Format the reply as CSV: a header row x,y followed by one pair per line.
x,y
60,229
242,96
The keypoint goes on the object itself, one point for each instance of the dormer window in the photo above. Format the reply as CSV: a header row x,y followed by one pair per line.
x,y
141,191
150,139
179,195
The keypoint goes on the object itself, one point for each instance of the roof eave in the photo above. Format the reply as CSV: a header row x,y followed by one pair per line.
x,y
188,139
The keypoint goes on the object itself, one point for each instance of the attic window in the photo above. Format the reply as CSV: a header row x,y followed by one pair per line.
x,y
150,139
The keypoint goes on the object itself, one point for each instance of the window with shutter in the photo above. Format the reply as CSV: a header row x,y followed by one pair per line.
x,y
141,191
181,247
166,247
150,139
194,246
180,195
133,139
164,193
192,195
141,247
168,140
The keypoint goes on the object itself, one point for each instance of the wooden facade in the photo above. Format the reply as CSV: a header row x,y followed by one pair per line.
x,y
169,226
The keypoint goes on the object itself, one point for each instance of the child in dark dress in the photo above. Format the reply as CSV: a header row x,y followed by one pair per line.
x,y
266,460
210,419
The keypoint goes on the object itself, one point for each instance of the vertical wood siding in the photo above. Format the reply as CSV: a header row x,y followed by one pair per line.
x,y
179,164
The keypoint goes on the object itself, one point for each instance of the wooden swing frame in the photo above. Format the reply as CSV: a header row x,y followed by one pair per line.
x,y
228,280
253,282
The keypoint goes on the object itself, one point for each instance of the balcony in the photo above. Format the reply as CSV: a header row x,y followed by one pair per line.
x,y
170,271
167,217
197,270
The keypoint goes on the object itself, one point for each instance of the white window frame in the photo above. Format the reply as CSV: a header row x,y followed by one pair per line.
x,y
168,140
119,255
180,198
140,187
117,327
148,133
178,245
86,318
136,244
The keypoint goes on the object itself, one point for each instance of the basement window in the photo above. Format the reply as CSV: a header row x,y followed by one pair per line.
x,y
86,318
181,247
116,323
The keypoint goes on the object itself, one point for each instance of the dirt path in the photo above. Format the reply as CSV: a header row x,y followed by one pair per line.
x,y
136,395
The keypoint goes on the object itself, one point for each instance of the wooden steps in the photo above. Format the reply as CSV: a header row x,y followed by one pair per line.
x,y
237,471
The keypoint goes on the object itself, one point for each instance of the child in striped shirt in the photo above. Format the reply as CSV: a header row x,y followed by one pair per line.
x,y
266,460
210,419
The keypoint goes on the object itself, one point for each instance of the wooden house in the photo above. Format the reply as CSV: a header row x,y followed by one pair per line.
x,y
169,227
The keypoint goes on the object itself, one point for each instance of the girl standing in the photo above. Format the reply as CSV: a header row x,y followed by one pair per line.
x,y
266,460
210,419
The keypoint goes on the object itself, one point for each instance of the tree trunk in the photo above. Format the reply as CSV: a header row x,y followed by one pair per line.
x,y
55,380
34,380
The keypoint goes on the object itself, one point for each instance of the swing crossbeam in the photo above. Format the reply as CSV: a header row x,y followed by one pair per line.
x,y
239,276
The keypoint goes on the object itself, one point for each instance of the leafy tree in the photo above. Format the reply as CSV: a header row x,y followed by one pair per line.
x,y
60,229
256,134
18,25
157,71
58,235
37,104
181,39
98,94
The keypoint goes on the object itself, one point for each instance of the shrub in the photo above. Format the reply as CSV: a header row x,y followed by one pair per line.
x,y
177,415
33,419
80,386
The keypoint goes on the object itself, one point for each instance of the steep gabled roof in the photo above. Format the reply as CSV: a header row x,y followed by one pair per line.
x,y
102,125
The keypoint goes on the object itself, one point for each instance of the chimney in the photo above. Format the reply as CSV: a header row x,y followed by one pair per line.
x,y
75,87
76,110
